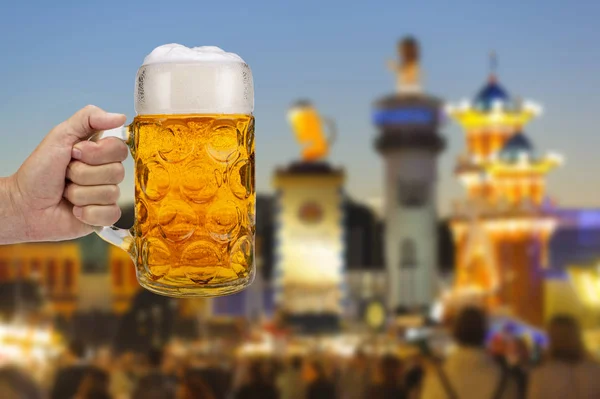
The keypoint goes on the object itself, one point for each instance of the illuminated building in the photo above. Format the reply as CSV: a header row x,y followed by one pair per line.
x,y
502,228
55,267
409,142
74,276
309,275
309,269
124,283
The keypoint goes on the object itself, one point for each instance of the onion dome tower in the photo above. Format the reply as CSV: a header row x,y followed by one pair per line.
x,y
501,229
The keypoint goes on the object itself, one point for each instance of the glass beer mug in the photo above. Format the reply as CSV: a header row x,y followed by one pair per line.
x,y
192,142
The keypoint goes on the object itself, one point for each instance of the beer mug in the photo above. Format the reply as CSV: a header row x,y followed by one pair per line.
x,y
308,127
192,142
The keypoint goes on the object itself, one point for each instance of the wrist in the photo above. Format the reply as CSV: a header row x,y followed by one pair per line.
x,y
13,228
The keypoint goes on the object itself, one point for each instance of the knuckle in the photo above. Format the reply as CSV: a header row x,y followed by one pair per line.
x,y
115,150
67,128
118,172
73,194
123,151
75,172
101,215
113,193
90,107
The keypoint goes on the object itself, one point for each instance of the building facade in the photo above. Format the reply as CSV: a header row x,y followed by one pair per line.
x,y
503,227
310,263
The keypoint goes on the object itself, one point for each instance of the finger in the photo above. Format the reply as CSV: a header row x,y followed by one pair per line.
x,y
97,215
86,121
104,151
92,195
88,175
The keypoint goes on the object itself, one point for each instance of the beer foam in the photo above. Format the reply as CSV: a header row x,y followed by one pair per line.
x,y
176,53
175,79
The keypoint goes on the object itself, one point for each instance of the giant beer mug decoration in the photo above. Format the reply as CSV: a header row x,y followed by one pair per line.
x,y
192,142
309,129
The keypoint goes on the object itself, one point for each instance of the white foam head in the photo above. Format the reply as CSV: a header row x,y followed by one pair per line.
x,y
175,79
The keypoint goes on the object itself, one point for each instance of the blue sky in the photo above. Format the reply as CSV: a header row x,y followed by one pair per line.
x,y
59,56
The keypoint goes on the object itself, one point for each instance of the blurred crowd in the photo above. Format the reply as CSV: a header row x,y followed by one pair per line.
x,y
475,367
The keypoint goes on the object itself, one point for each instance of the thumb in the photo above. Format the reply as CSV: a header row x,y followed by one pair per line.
x,y
87,121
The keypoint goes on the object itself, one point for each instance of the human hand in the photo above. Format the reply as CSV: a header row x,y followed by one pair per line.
x,y
68,184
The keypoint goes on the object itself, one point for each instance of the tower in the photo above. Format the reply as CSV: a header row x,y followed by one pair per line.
x,y
409,143
309,235
502,228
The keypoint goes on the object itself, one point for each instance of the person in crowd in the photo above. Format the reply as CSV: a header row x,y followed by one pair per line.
x,y
241,374
389,385
217,376
257,387
194,386
319,386
469,372
156,383
413,378
103,359
497,347
15,384
355,378
69,378
123,378
568,371
518,362
290,382
94,385
331,366
171,365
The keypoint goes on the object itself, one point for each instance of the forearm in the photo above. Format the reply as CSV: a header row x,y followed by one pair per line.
x,y
12,224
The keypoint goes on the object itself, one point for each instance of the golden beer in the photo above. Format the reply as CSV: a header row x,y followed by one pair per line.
x,y
195,200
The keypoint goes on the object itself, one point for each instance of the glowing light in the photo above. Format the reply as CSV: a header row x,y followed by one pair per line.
x,y
587,285
523,159
556,157
532,107
524,164
469,179
264,347
513,225
317,262
19,343
470,117
437,310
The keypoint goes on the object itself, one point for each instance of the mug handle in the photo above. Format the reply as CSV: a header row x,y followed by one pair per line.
x,y
332,128
122,238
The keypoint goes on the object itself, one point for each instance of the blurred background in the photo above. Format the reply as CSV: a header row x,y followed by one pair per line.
x,y
461,173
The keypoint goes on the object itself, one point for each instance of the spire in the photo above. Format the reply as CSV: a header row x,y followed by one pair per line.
x,y
493,66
